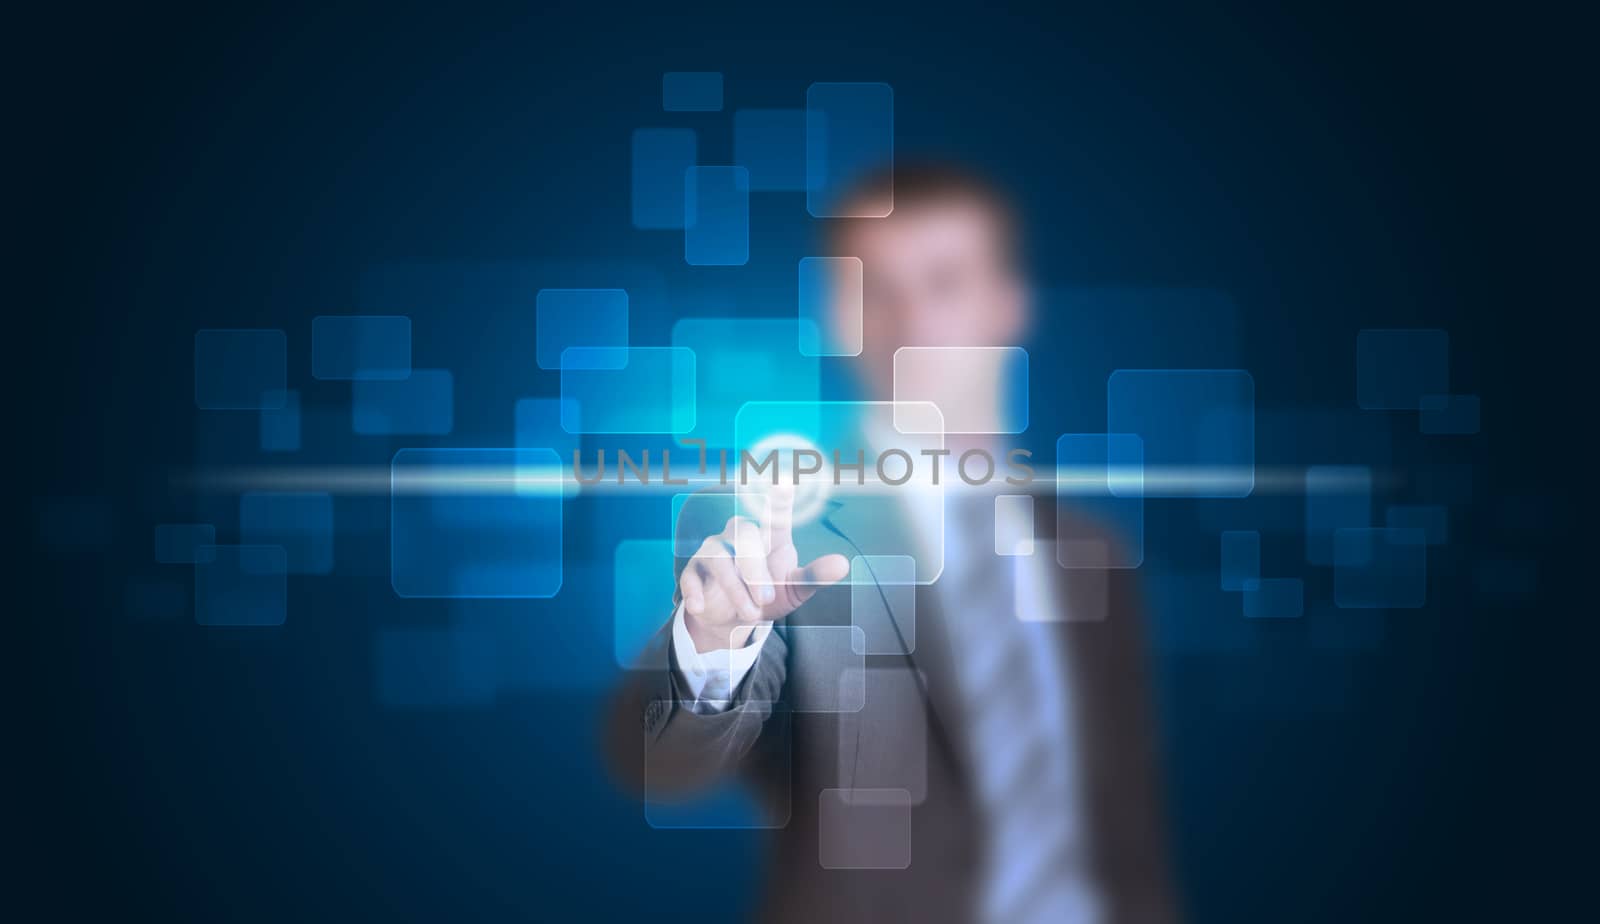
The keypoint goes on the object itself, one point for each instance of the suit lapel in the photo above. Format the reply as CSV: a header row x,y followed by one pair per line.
x,y
918,627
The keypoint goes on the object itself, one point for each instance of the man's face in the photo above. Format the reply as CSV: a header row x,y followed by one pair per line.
x,y
936,275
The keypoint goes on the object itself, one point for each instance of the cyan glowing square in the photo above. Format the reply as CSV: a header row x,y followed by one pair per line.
x,y
240,369
434,667
1099,506
1241,559
1337,497
1432,519
461,526
350,347
643,585
739,360
661,160
1275,598
280,428
579,318
420,405
691,91
717,215
302,523
242,585
849,135
1380,568
1449,415
632,390
1198,427
1396,369
771,144
184,543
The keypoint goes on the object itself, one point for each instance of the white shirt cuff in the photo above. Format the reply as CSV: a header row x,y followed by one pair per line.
x,y
712,676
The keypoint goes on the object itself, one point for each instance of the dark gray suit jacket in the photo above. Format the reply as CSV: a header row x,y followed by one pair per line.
x,y
906,737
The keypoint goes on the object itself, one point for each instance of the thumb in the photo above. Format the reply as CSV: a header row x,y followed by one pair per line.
x,y
805,581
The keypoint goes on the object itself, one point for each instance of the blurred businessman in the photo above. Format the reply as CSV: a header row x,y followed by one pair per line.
x,y
1000,766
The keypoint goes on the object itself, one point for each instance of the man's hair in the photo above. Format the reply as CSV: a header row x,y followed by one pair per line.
x,y
920,183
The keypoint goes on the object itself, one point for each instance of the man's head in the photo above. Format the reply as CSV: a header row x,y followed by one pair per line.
x,y
942,270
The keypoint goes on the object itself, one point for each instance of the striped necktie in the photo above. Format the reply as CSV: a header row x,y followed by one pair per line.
x,y
1012,700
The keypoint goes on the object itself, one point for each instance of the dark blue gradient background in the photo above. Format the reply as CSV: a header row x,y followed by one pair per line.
x,y
188,168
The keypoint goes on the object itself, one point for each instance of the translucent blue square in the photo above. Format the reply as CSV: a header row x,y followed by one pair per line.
x,y
1337,497
691,91
350,347
240,369
579,318
1380,568
738,360
1275,598
717,215
1099,506
661,159
420,405
1395,369
280,428
632,390
642,589
1432,519
1241,559
849,135
1198,428
301,523
242,585
832,306
462,526
184,543
434,667
1449,415
771,144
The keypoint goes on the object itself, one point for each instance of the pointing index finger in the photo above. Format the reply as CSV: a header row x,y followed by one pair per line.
x,y
780,517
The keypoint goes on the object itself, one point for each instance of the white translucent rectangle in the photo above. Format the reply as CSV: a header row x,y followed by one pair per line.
x,y
977,389
864,829
1013,524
